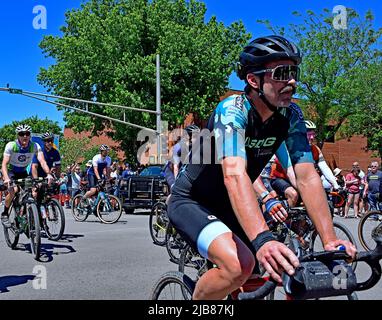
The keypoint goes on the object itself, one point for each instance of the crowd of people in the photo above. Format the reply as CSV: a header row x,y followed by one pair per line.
x,y
364,190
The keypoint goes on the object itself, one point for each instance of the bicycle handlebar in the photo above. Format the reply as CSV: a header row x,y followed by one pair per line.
x,y
372,258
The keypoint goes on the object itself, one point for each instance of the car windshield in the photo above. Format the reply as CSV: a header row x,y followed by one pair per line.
x,y
151,171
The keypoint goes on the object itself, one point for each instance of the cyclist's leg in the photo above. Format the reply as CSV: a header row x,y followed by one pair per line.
x,y
9,197
215,241
92,179
356,205
348,203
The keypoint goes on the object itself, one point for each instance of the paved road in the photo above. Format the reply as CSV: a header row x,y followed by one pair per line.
x,y
97,261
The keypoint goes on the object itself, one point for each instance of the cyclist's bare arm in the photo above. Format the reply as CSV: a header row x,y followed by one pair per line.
x,y
313,194
41,159
4,167
260,189
243,197
107,172
96,172
273,255
34,169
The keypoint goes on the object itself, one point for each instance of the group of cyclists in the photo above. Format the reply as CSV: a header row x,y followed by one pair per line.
x,y
23,158
261,147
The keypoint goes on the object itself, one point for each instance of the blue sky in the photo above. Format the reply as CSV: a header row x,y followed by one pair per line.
x,y
21,57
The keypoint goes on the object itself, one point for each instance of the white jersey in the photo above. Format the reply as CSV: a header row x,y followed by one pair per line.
x,y
21,158
100,163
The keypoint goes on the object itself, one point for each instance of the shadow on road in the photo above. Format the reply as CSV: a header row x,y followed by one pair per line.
x,y
11,281
48,250
70,237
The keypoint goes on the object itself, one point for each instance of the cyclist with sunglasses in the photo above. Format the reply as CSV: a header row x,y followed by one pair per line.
x,y
51,155
18,155
213,203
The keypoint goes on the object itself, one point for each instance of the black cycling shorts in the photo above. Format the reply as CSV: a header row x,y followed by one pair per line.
x,y
17,175
93,181
190,217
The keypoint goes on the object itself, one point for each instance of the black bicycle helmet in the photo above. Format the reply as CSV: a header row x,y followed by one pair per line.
x,y
263,50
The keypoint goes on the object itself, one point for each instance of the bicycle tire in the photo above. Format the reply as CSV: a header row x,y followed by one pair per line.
x,y
55,214
79,213
12,234
34,229
363,233
344,230
174,244
173,278
115,218
158,222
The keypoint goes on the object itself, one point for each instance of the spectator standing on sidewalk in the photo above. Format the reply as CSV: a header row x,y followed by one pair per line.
x,y
362,200
373,189
353,181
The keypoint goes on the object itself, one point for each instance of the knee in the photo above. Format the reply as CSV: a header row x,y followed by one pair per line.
x,y
238,270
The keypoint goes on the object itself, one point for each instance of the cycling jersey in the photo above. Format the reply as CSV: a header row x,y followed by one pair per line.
x,y
20,158
238,131
100,163
52,158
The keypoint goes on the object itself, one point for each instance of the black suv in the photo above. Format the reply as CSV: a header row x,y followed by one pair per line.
x,y
144,190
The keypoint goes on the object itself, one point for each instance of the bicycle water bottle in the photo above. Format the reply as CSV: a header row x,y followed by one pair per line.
x,y
23,222
43,212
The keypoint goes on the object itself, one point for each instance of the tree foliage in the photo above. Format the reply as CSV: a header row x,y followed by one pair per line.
x,y
332,86
107,53
79,150
7,132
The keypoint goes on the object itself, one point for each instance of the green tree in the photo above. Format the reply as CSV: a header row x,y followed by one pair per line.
x,y
79,150
367,120
107,53
333,60
7,132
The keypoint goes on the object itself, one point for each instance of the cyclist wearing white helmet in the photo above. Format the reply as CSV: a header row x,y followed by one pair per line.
x,y
51,155
318,156
18,156
100,168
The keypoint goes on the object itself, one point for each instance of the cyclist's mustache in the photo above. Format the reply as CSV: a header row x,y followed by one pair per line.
x,y
288,89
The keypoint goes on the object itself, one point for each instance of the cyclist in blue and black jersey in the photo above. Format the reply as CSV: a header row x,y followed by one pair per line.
x,y
100,168
51,155
214,205
18,156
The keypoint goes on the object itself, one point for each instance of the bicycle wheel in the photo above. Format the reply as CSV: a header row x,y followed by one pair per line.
x,y
12,234
171,286
342,233
174,244
34,230
158,222
79,208
54,224
369,222
109,209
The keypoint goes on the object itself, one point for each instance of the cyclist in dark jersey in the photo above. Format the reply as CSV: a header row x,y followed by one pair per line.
x,y
213,203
